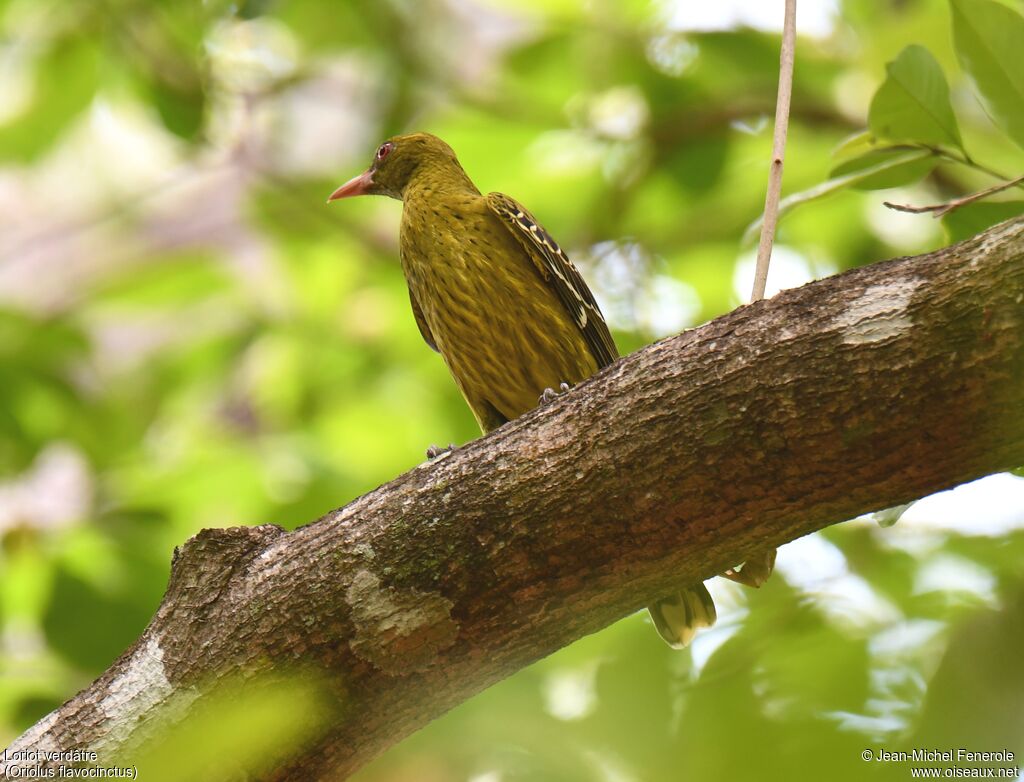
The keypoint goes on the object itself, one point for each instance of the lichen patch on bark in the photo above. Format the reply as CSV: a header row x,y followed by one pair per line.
x,y
142,687
398,630
37,738
879,313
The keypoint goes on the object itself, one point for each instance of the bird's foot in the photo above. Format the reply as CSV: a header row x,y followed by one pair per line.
x,y
550,395
755,571
436,450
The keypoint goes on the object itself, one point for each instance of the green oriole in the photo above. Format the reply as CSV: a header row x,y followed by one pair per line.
x,y
494,294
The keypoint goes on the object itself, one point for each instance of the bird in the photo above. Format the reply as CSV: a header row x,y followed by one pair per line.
x,y
495,295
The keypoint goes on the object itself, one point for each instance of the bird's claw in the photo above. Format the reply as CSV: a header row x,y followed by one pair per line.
x,y
755,571
549,395
436,450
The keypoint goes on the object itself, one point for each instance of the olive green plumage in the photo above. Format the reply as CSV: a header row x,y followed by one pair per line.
x,y
483,305
494,294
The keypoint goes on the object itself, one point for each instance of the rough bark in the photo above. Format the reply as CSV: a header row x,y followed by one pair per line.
x,y
847,395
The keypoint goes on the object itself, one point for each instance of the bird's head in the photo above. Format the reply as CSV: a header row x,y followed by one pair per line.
x,y
397,162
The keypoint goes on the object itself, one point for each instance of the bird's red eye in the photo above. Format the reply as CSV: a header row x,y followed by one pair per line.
x,y
384,149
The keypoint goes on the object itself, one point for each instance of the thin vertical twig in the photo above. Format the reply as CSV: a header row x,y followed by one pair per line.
x,y
771,199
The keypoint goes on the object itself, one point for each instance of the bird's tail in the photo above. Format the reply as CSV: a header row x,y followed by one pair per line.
x,y
678,616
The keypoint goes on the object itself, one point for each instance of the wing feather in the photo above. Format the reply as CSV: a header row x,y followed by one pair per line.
x,y
421,322
560,273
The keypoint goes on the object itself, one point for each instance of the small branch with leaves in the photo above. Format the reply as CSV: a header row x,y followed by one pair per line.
x,y
912,126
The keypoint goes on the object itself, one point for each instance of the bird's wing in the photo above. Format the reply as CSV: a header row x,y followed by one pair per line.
x,y
422,322
560,273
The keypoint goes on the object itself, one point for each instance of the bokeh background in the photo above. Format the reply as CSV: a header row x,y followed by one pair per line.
x,y
190,337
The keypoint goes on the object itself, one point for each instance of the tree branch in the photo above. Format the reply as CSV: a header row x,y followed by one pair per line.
x,y
855,393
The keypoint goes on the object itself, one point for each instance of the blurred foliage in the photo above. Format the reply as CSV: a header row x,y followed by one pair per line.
x,y
190,338
224,737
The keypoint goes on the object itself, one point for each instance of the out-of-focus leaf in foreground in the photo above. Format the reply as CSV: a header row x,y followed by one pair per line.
x,y
240,731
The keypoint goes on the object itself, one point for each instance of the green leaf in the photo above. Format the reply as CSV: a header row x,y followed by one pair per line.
x,y
904,170
789,203
698,166
230,736
855,145
913,102
989,38
181,107
65,82
972,219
